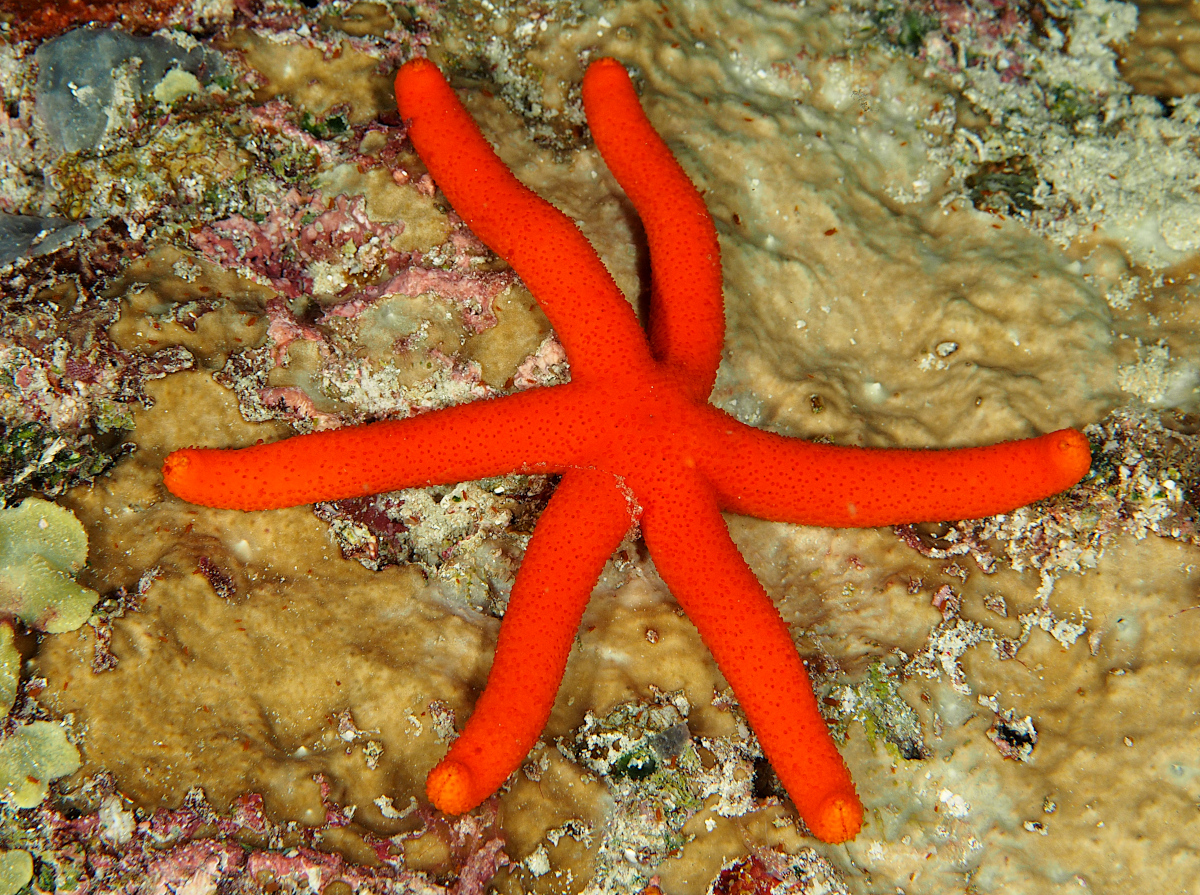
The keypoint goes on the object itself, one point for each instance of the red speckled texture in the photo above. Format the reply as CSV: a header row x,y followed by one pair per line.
x,y
576,534
41,19
687,312
633,421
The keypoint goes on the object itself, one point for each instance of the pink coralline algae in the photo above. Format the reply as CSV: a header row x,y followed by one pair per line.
x,y
300,231
954,34
772,872
474,293
307,229
196,849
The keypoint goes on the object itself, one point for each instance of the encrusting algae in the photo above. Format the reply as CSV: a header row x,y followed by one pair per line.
x,y
42,547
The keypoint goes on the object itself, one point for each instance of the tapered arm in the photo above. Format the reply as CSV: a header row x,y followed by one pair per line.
x,y
687,311
754,650
592,319
532,431
580,528
788,480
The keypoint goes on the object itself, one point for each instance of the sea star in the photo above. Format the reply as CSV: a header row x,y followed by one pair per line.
x,y
636,443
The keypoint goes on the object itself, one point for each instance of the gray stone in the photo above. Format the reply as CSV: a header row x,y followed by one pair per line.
x,y
21,234
78,76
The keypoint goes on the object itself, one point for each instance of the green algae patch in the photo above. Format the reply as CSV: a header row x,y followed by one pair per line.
x,y
42,547
30,757
16,869
877,703
10,668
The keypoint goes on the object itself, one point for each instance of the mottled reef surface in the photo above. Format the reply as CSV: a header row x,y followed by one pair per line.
x,y
942,223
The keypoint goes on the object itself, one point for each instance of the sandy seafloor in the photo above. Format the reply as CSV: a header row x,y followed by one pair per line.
x,y
872,298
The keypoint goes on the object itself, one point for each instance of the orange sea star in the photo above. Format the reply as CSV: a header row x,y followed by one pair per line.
x,y
636,443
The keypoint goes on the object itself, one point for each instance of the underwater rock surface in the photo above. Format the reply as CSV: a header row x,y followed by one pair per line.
x,y
941,225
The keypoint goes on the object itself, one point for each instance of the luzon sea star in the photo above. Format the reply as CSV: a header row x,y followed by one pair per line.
x,y
636,443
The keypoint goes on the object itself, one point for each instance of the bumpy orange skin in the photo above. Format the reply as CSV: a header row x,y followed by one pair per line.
x,y
635,440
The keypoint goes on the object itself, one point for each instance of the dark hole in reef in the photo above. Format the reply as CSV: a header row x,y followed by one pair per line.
x,y
1015,737
766,781
912,750
1005,186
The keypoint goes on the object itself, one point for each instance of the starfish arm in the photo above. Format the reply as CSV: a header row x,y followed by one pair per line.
x,y
596,325
687,316
533,431
737,621
761,474
580,528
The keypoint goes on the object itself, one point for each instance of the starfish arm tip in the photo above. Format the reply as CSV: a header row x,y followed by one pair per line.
x,y
838,819
1072,453
177,472
605,66
415,68
449,787
176,461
